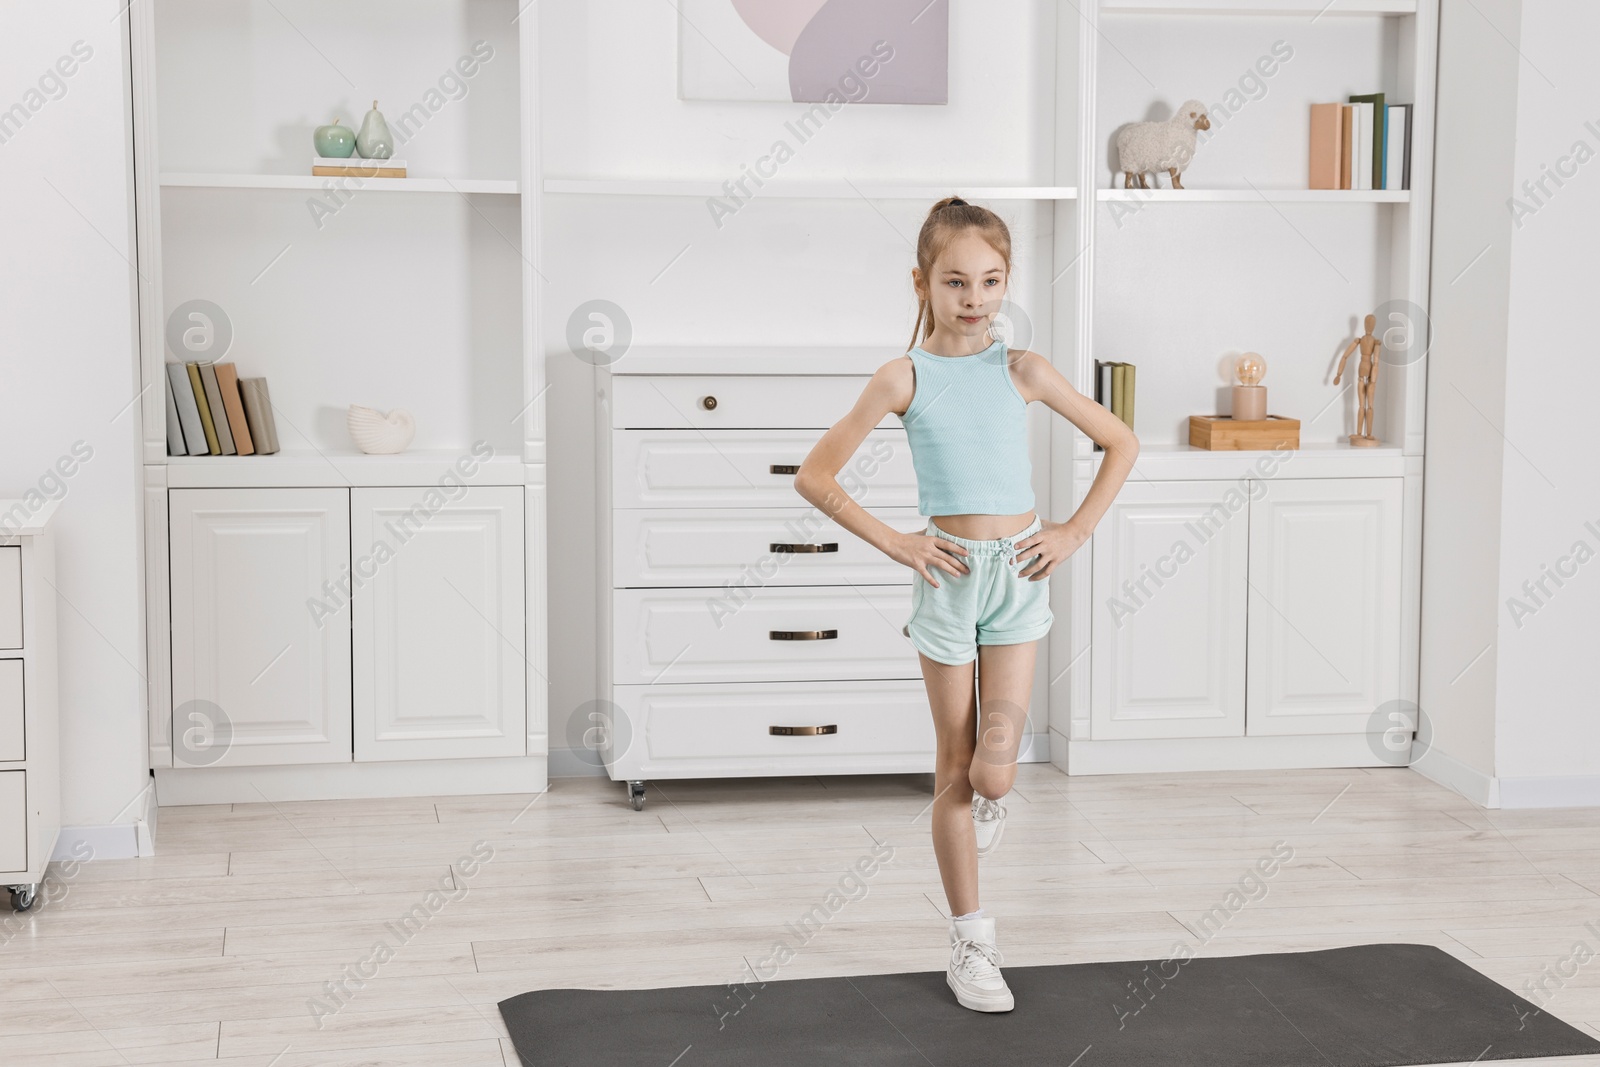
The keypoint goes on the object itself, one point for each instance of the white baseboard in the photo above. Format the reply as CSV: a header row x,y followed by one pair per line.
x,y
347,781
118,842
567,763
1555,791
1436,766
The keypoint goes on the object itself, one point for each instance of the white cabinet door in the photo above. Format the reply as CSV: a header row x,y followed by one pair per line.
x,y
1324,647
260,628
440,652
1168,614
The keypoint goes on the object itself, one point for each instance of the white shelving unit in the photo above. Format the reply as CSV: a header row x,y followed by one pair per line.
x,y
341,291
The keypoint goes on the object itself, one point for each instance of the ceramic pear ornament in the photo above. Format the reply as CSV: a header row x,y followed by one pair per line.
x,y
334,141
374,141
378,434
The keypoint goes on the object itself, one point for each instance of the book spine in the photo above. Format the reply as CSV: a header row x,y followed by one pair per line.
x,y
228,386
194,435
1130,387
212,447
1119,378
258,412
219,416
175,445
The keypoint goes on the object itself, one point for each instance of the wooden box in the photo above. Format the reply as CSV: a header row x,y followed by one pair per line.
x,y
1219,433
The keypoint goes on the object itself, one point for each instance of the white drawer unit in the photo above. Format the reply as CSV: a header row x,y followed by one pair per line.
x,y
30,770
745,632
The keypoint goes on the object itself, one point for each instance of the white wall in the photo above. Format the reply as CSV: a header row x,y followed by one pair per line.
x,y
1510,476
68,374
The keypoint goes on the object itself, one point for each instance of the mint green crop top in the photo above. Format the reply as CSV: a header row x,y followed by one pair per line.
x,y
968,431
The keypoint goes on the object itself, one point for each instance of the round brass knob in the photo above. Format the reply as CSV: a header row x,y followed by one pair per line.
x,y
708,402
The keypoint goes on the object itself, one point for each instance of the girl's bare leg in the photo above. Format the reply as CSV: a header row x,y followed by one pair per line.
x,y
1005,682
953,698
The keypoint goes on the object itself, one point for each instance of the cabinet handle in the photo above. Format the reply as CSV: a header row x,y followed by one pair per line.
x,y
804,731
708,402
803,635
779,546
784,468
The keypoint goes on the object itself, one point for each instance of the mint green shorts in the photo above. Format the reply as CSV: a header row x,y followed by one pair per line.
x,y
988,605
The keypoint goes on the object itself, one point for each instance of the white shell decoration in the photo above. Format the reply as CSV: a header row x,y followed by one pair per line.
x,y
378,434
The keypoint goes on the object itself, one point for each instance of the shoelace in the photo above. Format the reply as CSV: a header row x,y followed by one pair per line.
x,y
988,810
978,959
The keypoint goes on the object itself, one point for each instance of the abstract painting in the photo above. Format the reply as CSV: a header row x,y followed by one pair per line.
x,y
807,51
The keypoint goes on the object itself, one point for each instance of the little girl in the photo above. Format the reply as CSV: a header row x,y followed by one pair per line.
x,y
981,595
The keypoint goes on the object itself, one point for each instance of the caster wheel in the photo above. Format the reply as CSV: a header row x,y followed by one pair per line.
x,y
636,795
22,897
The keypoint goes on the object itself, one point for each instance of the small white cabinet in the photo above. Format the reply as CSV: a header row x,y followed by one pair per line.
x,y
328,625
1324,644
439,628
1246,608
1168,658
260,630
30,768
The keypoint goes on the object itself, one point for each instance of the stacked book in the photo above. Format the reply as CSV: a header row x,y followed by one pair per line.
x,y
356,167
1364,144
1113,388
211,411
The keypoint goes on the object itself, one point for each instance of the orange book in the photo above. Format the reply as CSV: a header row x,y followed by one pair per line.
x,y
1327,153
1345,146
228,385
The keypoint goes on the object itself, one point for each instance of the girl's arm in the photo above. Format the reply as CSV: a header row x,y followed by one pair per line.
x,y
1055,542
889,390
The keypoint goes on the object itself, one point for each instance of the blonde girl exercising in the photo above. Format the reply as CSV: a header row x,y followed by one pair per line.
x,y
980,597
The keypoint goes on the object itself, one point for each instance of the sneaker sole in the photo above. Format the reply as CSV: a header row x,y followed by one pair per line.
x,y
979,1003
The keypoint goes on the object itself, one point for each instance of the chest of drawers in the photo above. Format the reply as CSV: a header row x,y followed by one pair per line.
x,y
742,632
30,769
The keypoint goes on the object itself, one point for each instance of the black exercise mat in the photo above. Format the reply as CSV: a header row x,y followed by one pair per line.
x,y
1360,1006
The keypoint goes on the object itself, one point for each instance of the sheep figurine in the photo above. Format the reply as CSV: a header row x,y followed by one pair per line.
x,y
1156,146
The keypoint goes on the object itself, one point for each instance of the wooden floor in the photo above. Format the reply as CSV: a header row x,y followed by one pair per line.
x,y
216,949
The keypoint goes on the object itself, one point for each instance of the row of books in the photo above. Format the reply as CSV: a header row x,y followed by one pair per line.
x,y
1365,144
211,411
1113,388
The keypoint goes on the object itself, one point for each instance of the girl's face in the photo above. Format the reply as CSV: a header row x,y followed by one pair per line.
x,y
967,283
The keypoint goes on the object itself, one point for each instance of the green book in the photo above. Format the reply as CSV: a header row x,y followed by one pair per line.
x,y
1380,135
212,444
1127,394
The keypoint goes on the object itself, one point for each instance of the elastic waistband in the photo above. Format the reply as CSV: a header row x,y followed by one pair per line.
x,y
998,545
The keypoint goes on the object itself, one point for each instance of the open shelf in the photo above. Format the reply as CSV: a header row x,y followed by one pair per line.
x,y
331,467
1276,196
840,190
1313,8
307,181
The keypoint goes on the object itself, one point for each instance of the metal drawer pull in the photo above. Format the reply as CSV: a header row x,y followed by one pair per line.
x,y
778,546
784,468
802,635
708,402
803,731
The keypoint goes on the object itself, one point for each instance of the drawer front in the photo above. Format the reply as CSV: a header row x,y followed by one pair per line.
x,y
727,729
11,711
716,634
761,546
750,468
10,596
13,821
680,401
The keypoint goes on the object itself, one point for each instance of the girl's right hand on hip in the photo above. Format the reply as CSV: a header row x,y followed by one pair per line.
x,y
922,552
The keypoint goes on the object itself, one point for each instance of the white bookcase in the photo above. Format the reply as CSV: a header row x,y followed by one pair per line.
x,y
420,293
1178,282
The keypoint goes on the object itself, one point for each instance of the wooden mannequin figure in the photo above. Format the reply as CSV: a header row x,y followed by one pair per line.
x,y
1366,382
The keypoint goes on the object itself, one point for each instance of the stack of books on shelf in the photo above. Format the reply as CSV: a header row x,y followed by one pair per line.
x,y
1113,389
356,167
211,411
1364,144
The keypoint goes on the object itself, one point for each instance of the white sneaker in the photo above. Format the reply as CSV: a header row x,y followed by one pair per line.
x,y
974,974
988,820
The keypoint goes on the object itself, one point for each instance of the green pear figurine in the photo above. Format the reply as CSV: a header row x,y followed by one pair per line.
x,y
374,140
334,141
